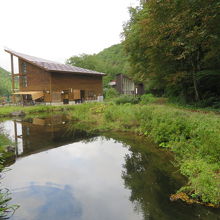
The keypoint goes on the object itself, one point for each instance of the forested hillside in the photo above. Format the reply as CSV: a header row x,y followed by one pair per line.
x,y
5,82
171,46
174,46
111,60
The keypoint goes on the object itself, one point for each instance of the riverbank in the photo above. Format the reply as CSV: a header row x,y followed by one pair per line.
x,y
194,137
5,152
6,111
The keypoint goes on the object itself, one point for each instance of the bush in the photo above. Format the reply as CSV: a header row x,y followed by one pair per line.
x,y
5,208
195,139
147,98
123,117
127,99
111,93
202,177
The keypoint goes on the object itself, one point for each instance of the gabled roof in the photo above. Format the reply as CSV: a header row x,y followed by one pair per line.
x,y
51,65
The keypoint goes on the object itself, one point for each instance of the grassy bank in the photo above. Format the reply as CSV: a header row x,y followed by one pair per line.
x,y
194,137
5,209
6,111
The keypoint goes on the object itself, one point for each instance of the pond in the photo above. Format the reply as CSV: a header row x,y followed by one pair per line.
x,y
63,173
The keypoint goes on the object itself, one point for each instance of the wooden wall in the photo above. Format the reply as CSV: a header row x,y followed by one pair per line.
x,y
124,85
119,87
37,78
71,82
42,80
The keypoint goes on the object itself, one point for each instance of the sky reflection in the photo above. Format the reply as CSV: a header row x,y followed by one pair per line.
x,y
77,181
47,202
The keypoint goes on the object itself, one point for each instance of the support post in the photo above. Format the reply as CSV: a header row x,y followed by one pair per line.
x,y
12,78
16,138
50,88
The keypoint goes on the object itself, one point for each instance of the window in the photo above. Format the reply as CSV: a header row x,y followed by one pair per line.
x,y
24,74
24,81
91,95
24,68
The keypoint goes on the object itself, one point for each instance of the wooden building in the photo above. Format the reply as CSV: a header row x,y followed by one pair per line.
x,y
125,85
42,80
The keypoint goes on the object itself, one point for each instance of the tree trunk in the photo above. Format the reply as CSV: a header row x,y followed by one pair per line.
x,y
195,85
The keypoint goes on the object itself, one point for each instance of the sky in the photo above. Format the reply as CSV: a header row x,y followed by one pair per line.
x,y
58,29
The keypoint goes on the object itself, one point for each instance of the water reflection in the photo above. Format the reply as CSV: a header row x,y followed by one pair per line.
x,y
152,178
85,176
51,201
63,173
39,134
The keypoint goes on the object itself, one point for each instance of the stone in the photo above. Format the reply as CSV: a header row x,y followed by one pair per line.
x,y
10,149
17,113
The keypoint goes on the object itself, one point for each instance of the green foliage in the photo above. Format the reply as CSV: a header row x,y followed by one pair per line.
x,y
120,117
123,99
5,111
5,82
204,179
110,93
5,209
193,137
111,61
171,44
85,61
147,98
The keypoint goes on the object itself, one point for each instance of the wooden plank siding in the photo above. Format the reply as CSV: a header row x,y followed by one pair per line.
x,y
53,83
67,81
37,78
125,85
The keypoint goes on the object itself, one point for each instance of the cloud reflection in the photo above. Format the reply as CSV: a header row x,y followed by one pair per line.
x,y
48,202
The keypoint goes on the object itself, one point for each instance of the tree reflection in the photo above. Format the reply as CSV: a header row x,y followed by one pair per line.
x,y
151,179
134,174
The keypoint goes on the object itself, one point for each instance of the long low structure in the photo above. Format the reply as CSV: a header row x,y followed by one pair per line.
x,y
42,80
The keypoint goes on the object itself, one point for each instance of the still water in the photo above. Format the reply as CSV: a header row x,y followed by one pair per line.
x,y
62,173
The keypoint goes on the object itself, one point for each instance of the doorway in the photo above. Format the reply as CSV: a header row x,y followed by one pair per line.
x,y
82,95
65,97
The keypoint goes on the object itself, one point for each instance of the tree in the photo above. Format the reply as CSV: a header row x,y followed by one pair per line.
x,y
84,61
5,82
169,44
111,61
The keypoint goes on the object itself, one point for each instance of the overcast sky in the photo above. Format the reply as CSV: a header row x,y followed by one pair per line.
x,y
58,29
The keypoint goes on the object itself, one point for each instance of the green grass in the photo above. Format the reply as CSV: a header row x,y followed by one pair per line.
x,y
5,209
194,137
5,111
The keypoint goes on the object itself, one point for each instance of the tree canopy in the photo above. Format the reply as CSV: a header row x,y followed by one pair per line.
x,y
111,61
174,47
5,82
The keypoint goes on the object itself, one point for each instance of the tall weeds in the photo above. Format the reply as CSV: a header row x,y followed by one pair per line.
x,y
193,137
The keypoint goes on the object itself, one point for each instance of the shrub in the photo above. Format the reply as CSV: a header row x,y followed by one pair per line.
x,y
147,98
111,93
127,99
203,180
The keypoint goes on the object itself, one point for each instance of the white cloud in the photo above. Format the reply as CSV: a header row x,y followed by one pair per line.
x,y
58,29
